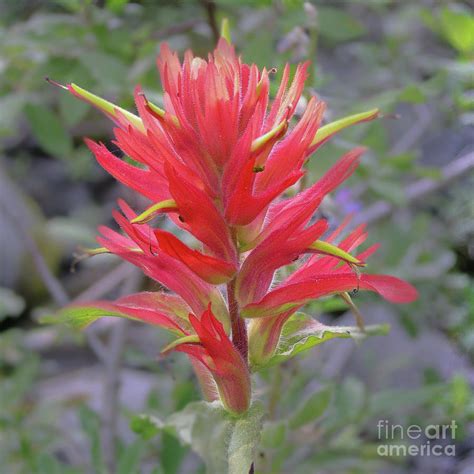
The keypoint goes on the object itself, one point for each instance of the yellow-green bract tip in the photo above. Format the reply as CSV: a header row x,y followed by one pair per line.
x,y
168,205
326,248
225,30
105,106
334,127
191,339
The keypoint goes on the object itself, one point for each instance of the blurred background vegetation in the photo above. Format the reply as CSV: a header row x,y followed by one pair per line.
x,y
61,410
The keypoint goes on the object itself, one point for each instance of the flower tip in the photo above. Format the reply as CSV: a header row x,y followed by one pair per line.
x,y
55,83
152,108
225,30
326,248
410,294
276,132
168,205
330,129
142,218
191,339
93,251
119,115
391,288
84,253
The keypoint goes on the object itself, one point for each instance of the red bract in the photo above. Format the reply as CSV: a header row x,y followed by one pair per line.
x,y
212,348
217,160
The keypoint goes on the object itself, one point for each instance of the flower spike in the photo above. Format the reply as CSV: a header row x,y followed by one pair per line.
x,y
217,160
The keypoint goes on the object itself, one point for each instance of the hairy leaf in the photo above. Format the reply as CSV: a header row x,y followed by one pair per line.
x,y
225,443
301,332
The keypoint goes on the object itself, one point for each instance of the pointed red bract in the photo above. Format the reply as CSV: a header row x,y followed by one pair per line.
x,y
143,181
156,308
215,351
210,269
294,295
140,247
201,216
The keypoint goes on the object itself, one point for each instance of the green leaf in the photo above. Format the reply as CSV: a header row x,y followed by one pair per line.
x,y
337,25
172,453
461,394
147,426
11,106
457,27
349,405
429,172
312,408
184,392
412,94
301,332
109,71
392,402
129,458
389,190
274,434
225,443
49,131
79,317
402,161
46,464
116,6
91,425
328,305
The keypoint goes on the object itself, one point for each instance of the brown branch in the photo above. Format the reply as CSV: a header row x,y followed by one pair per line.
x,y
178,28
239,328
210,7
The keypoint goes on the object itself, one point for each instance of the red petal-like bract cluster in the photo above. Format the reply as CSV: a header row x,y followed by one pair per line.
x,y
218,160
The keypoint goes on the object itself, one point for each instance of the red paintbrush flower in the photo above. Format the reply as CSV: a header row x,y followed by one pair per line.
x,y
216,160
212,347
